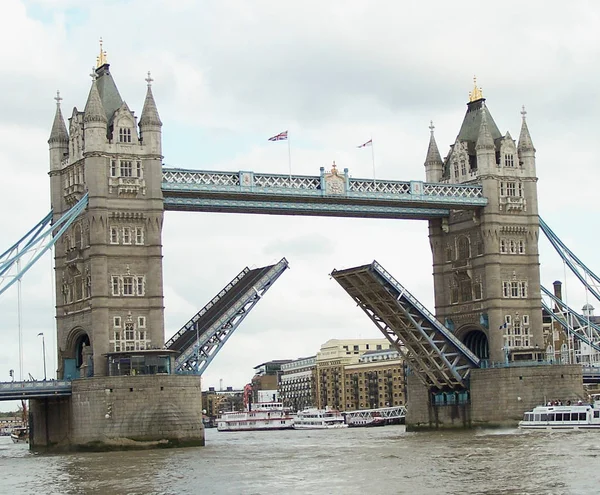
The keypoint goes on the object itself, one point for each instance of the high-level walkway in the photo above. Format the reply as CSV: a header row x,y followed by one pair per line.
x,y
204,335
250,192
439,359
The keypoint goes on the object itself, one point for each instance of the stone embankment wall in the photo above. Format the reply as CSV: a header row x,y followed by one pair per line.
x,y
106,413
499,397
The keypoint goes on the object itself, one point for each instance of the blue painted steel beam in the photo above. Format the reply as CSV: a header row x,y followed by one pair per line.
x,y
330,194
578,267
301,208
32,246
438,358
34,389
204,335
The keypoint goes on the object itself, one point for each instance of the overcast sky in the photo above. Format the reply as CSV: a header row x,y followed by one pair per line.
x,y
230,74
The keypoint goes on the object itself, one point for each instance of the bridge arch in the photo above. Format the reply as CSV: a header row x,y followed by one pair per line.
x,y
476,340
78,347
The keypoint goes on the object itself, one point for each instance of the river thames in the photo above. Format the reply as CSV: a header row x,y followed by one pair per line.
x,y
384,460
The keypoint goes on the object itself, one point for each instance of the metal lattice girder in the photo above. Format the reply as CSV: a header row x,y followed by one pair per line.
x,y
574,323
436,356
588,278
22,255
393,412
249,192
205,334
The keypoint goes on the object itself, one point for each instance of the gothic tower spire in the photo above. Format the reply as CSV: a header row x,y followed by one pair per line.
x,y
149,111
59,130
525,143
94,110
433,161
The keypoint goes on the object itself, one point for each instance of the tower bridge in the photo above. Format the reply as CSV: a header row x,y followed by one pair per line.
x,y
480,202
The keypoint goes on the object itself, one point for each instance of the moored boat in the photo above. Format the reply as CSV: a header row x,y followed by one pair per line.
x,y
319,419
374,419
257,416
578,416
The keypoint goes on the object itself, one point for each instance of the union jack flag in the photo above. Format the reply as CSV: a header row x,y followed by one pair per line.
x,y
282,136
368,143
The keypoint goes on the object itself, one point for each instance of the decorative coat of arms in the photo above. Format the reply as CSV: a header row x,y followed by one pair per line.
x,y
335,183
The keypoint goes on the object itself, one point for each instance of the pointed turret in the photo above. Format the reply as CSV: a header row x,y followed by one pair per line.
x,y
485,151
59,138
150,112
484,137
94,110
94,120
525,148
433,161
525,143
150,122
59,132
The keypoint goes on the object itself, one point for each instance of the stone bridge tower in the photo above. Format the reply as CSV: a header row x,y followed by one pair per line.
x,y
108,265
486,263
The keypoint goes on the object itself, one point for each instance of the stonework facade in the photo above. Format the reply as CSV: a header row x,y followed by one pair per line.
x,y
485,262
115,413
108,264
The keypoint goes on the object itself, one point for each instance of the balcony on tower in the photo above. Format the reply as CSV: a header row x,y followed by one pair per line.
x,y
127,186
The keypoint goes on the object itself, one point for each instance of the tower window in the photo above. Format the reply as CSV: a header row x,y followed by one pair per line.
x,y
138,167
117,322
126,235
456,169
128,286
140,286
463,167
126,168
509,160
114,235
124,135
113,168
139,235
115,285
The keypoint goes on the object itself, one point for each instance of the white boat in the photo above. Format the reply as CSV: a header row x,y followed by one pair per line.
x,y
20,435
373,419
319,419
258,416
578,416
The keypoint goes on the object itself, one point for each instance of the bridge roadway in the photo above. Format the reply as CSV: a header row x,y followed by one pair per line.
x,y
34,389
330,194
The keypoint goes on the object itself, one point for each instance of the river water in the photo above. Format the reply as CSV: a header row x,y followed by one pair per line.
x,y
384,460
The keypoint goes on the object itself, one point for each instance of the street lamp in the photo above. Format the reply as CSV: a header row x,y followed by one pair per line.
x,y
43,352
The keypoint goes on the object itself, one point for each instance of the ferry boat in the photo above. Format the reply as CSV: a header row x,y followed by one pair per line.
x,y
319,419
374,419
257,416
578,416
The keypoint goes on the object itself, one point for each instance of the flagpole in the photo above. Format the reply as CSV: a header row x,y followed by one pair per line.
x,y
289,158
373,159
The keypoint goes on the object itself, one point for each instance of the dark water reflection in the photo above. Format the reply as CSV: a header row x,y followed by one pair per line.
x,y
352,461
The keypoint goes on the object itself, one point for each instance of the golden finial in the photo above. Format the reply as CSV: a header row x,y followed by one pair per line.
x,y
477,93
333,168
101,59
